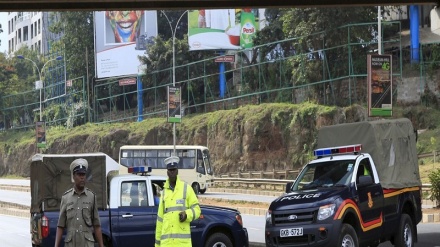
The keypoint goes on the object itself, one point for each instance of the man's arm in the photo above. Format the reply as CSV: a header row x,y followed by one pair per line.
x,y
61,222
193,212
58,236
98,235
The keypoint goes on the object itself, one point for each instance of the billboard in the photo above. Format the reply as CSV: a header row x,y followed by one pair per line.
x,y
380,85
120,37
222,29
174,105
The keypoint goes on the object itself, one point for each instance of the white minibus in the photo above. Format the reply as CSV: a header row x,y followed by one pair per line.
x,y
194,166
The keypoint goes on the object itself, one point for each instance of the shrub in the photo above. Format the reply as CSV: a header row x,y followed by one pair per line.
x,y
434,178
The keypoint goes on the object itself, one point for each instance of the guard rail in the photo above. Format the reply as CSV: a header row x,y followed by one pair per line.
x,y
269,184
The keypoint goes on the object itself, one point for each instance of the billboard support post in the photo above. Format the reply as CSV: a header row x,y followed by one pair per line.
x,y
173,32
222,77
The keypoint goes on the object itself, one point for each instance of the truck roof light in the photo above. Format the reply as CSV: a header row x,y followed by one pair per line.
x,y
139,169
337,150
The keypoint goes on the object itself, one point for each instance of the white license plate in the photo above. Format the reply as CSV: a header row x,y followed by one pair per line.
x,y
290,232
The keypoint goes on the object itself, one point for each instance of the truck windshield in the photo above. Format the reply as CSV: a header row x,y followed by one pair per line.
x,y
325,174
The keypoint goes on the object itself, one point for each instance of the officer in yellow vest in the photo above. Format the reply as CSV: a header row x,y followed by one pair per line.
x,y
78,211
177,208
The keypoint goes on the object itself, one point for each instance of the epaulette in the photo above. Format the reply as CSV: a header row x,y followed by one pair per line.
x,y
69,190
91,191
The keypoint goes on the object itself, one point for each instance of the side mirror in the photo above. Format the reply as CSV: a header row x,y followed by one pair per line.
x,y
288,187
365,181
201,169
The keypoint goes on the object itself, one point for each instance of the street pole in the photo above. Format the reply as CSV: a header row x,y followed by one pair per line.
x,y
41,79
173,32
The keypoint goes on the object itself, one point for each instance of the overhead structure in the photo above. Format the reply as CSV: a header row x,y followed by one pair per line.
x,y
23,5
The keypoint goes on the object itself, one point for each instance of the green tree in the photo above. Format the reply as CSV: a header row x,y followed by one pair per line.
x,y
317,29
159,61
77,41
434,178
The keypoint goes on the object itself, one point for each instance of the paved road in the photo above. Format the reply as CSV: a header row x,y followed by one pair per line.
x,y
239,197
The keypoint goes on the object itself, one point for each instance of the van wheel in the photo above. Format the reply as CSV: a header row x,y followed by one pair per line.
x,y
405,234
196,188
202,191
348,237
218,240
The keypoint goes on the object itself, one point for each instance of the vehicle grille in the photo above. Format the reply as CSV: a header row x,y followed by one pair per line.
x,y
302,216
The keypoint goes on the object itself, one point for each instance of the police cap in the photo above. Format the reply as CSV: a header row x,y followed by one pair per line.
x,y
172,162
79,166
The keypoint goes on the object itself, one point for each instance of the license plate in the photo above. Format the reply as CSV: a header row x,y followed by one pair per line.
x,y
290,232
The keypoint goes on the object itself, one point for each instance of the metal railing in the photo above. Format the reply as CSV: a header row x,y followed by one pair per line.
x,y
268,184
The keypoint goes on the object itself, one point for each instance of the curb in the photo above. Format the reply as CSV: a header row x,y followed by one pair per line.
x,y
14,209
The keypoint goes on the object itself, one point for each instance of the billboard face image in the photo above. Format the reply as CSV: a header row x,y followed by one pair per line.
x,y
120,37
222,29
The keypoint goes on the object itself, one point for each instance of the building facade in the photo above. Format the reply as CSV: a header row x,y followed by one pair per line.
x,y
31,29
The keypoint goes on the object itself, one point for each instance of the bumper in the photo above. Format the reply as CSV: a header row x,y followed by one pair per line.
x,y
242,238
313,235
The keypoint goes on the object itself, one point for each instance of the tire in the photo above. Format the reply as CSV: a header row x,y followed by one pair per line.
x,y
405,235
218,240
196,188
348,237
202,191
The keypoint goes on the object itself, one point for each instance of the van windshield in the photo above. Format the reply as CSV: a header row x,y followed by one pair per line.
x,y
325,174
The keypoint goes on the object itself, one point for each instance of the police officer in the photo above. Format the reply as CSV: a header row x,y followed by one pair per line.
x,y
78,211
177,208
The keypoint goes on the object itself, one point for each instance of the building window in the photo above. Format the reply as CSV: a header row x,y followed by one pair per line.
x,y
32,31
39,27
19,35
25,33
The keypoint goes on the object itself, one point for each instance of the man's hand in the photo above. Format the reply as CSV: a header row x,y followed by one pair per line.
x,y
182,216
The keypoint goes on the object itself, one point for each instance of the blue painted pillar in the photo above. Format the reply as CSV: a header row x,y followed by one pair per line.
x,y
140,101
222,77
414,32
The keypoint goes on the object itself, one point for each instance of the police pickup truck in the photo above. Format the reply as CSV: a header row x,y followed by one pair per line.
x,y
126,204
362,189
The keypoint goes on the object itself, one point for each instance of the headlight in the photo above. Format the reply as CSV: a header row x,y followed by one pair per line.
x,y
269,217
326,211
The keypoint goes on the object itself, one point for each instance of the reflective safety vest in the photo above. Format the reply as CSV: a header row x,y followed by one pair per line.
x,y
170,232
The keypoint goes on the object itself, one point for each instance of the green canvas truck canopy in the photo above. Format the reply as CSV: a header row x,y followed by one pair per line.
x,y
51,177
391,143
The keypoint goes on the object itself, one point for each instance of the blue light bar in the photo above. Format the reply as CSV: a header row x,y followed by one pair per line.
x,y
139,169
337,150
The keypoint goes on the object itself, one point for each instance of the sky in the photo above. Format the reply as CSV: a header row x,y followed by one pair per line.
x,y
4,35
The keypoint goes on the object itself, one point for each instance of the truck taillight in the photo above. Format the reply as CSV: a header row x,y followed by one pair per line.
x,y
44,227
239,219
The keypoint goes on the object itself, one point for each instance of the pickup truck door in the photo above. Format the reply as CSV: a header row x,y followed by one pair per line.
x,y
370,202
136,220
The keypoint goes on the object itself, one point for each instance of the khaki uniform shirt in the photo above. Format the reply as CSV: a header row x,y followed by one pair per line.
x,y
78,214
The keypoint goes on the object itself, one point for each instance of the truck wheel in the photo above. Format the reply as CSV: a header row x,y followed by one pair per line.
x,y
218,240
196,188
348,237
202,191
405,234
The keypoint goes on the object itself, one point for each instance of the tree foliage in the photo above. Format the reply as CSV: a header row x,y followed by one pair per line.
x,y
434,178
317,29
77,41
159,61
